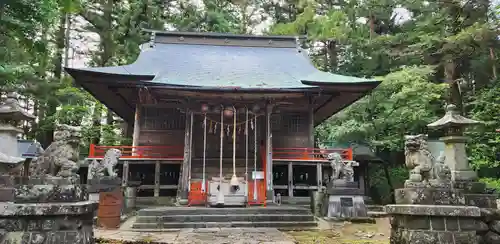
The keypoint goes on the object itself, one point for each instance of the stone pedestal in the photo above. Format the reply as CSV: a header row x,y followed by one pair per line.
x,y
102,184
431,224
434,215
345,200
45,211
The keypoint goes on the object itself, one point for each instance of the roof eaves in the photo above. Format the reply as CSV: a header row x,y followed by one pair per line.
x,y
222,35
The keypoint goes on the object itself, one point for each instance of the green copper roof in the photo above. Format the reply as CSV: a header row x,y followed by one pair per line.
x,y
243,66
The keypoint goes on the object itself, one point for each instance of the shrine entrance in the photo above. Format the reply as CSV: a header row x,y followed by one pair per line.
x,y
227,161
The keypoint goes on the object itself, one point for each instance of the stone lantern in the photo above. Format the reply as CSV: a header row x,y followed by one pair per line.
x,y
455,155
11,115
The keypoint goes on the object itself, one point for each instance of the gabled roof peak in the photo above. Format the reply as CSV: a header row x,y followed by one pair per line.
x,y
224,39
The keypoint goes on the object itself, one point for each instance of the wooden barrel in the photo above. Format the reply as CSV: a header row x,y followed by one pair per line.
x,y
110,206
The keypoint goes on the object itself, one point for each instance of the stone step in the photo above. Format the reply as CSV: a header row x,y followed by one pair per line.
x,y
226,218
236,224
166,211
375,208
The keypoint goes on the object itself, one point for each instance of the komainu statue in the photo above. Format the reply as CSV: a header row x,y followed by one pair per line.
x,y
60,158
107,166
341,169
424,167
336,164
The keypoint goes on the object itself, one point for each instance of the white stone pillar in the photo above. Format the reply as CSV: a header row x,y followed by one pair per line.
x,y
456,158
269,154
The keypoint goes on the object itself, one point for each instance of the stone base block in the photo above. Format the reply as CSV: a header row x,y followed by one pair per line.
x,y
345,191
481,200
347,206
104,184
430,196
470,186
457,175
401,236
84,235
432,210
339,183
49,193
430,224
9,180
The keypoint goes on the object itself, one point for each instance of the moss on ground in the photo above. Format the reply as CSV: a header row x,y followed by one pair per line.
x,y
346,233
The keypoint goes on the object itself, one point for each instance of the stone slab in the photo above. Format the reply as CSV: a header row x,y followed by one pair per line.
x,y
42,209
481,200
346,191
234,236
201,236
432,237
104,184
430,196
433,210
48,223
50,193
470,186
9,180
346,207
84,235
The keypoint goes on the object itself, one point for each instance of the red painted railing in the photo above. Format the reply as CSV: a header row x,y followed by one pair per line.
x,y
177,152
309,154
164,152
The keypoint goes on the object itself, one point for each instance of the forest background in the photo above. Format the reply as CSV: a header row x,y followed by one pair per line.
x,y
428,53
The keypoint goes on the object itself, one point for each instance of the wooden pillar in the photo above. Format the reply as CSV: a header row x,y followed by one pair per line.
x,y
319,172
269,154
191,121
137,127
290,179
129,130
157,179
182,188
310,120
125,173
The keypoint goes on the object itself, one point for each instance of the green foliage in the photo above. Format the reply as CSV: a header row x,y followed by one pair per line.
x,y
380,191
485,144
492,183
404,103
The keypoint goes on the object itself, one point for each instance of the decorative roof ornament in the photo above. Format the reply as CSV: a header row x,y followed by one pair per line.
x,y
152,39
12,111
452,122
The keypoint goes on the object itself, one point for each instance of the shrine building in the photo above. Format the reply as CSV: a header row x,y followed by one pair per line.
x,y
206,106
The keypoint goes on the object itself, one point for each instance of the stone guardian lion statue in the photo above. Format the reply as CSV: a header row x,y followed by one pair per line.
x,y
106,166
424,167
61,156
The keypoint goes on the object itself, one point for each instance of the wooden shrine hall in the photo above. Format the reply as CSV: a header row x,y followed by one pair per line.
x,y
221,118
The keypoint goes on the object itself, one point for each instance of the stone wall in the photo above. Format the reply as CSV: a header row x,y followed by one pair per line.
x,y
45,211
488,228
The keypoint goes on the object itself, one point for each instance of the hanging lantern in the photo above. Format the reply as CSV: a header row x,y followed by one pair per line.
x,y
228,112
204,108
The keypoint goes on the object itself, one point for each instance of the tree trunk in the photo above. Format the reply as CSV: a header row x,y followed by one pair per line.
x,y
332,55
96,124
450,75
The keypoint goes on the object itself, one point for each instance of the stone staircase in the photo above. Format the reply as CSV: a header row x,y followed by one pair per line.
x,y
280,217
